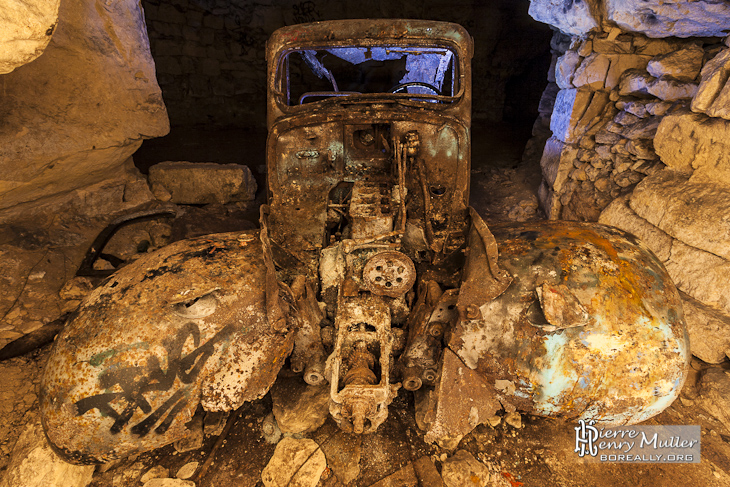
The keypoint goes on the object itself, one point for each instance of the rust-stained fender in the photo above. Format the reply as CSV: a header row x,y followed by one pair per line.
x,y
184,325
591,326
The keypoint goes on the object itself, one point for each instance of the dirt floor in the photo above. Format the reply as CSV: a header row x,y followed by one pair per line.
x,y
539,453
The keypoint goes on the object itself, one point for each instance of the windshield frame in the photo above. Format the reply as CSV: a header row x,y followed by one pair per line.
x,y
281,82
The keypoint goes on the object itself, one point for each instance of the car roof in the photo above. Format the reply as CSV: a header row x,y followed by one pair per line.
x,y
375,31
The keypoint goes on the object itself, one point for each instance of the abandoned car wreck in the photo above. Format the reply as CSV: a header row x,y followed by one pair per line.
x,y
373,290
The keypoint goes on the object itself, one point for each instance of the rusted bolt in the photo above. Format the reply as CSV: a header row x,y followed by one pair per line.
x,y
429,375
412,383
436,330
472,312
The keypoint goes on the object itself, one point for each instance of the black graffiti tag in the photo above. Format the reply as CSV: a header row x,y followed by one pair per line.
x,y
138,381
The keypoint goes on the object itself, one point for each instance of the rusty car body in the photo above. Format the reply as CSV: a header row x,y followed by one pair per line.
x,y
370,272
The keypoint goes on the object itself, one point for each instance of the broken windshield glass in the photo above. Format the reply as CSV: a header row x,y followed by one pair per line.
x,y
310,75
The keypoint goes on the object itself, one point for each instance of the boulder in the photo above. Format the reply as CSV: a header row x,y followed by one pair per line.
x,y
671,18
26,27
684,64
695,144
574,18
714,82
72,117
34,464
202,182
709,331
697,214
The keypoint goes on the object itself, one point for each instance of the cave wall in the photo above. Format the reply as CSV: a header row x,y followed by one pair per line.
x,y
637,122
73,117
212,71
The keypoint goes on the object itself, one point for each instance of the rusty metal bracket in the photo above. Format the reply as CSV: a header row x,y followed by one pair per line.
x,y
87,265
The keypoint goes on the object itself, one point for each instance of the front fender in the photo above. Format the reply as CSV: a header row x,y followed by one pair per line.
x,y
591,326
143,349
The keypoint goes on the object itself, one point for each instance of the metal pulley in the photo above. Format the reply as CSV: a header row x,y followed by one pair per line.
x,y
390,273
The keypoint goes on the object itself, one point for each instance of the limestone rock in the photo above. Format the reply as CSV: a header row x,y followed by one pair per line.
x,y
643,129
709,331
670,89
697,214
187,471
592,72
565,69
158,482
299,407
572,17
700,274
662,18
715,75
694,144
343,452
203,183
405,477
427,473
715,394
620,215
622,63
156,472
570,106
34,464
635,82
295,463
550,201
557,162
462,469
622,44
26,27
684,64
74,116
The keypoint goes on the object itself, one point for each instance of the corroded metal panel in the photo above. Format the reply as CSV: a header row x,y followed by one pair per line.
x,y
186,323
591,327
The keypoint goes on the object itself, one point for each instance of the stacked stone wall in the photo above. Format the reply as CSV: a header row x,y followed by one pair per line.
x,y
640,139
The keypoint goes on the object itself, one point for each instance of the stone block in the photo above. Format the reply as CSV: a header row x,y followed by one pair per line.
x,y
694,143
570,105
549,200
26,27
661,18
700,274
574,18
713,94
619,214
709,331
697,214
203,183
565,69
622,63
623,44
557,162
592,72
670,89
634,82
684,64
645,128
